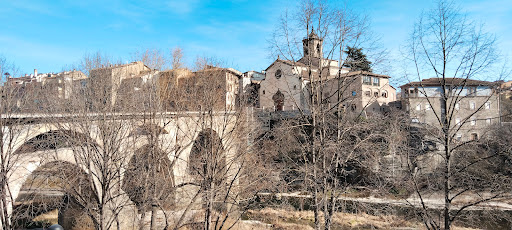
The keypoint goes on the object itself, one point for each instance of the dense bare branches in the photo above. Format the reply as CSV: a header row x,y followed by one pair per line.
x,y
12,134
447,46
330,145
153,58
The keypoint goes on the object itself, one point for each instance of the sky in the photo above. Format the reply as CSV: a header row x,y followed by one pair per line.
x,y
52,35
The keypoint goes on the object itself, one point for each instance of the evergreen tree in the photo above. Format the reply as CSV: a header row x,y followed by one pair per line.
x,y
356,60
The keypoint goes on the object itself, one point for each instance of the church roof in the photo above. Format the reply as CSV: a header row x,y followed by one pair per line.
x,y
291,63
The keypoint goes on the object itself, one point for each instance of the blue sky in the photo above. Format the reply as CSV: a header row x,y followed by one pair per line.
x,y
55,34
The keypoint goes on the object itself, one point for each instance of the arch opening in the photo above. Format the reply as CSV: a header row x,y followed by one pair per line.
x,y
207,159
56,192
53,140
278,99
149,179
208,169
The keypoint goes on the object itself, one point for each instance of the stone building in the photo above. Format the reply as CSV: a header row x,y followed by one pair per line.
x,y
287,84
361,92
111,77
209,88
472,105
506,101
40,90
249,88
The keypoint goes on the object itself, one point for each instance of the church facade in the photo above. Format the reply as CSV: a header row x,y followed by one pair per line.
x,y
288,84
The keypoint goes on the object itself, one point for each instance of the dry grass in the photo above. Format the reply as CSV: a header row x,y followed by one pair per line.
x,y
51,217
284,218
302,220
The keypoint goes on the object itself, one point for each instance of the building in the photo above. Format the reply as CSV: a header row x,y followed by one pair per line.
x,y
209,88
472,105
249,88
287,84
53,84
361,92
111,77
40,90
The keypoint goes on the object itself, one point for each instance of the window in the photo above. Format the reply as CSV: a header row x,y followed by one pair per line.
x,y
278,74
457,121
295,87
367,80
474,136
367,93
472,91
488,121
472,105
418,107
458,137
263,91
427,106
457,106
385,94
413,92
487,105
353,107
473,121
376,81
354,93
376,94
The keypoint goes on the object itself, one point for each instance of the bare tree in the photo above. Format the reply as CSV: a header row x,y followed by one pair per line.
x,y
177,58
218,163
13,133
99,137
93,61
190,119
332,139
153,58
450,49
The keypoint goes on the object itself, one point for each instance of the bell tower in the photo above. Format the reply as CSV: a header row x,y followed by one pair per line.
x,y
312,45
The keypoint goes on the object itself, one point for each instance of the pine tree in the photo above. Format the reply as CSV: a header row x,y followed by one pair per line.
x,y
356,60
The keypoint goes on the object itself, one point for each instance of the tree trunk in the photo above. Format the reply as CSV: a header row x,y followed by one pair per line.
x,y
154,211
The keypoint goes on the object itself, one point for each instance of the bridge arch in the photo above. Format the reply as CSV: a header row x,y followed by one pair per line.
x,y
34,133
207,158
57,185
40,149
149,178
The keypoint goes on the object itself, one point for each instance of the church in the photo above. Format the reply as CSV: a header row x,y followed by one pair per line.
x,y
287,85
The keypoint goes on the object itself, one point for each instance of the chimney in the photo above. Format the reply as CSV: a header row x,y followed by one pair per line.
x,y
35,72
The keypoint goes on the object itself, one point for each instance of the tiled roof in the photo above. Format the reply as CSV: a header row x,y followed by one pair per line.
x,y
364,73
292,63
220,69
449,82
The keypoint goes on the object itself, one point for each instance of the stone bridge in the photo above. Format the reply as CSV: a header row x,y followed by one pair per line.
x,y
38,141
